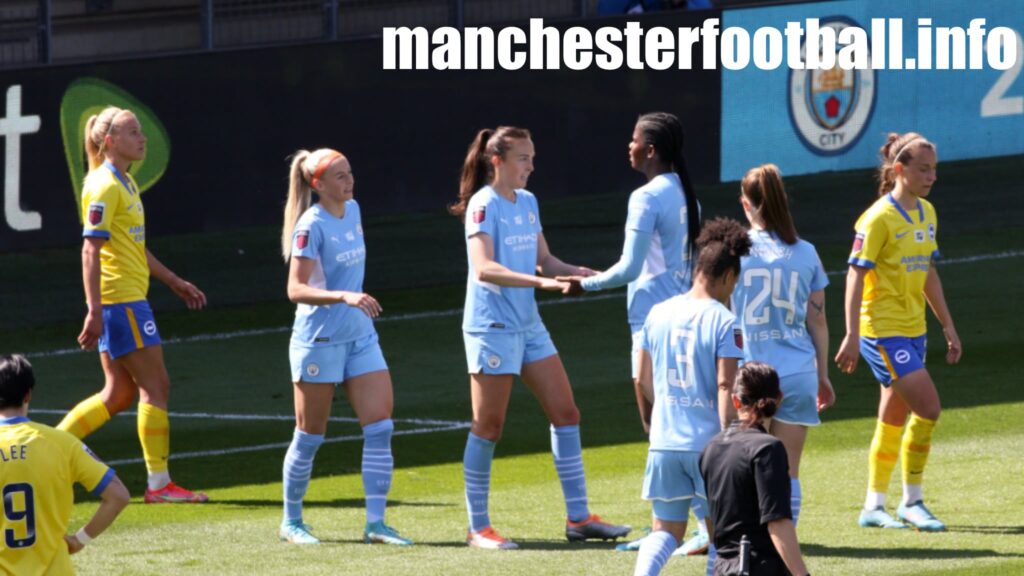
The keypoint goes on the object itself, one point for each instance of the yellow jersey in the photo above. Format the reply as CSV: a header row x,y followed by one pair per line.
x,y
38,465
112,209
897,247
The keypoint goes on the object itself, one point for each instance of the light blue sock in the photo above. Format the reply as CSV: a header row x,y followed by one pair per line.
x,y
712,554
476,469
697,505
565,446
795,498
298,466
654,552
378,467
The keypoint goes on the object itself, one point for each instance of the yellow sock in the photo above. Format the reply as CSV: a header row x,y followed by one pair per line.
x,y
917,442
155,436
885,448
86,417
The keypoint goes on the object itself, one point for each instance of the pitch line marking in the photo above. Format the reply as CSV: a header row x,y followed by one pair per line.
x,y
457,311
427,426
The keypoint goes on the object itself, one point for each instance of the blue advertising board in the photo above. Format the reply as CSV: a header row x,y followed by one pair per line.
x,y
815,121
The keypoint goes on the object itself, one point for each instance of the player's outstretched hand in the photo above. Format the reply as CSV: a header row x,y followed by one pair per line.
x,y
848,355
554,285
826,394
585,272
73,544
92,329
187,291
364,302
955,350
575,285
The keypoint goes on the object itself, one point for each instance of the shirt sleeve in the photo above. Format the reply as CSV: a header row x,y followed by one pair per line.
x,y
98,209
88,470
819,279
645,335
629,266
871,234
771,475
482,216
307,240
642,213
730,338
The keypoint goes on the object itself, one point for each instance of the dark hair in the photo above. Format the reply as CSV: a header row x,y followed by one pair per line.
x,y
897,148
16,380
763,188
664,132
722,243
757,387
477,168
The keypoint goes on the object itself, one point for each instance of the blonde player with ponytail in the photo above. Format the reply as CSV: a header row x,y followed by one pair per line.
x,y
333,339
116,267
892,274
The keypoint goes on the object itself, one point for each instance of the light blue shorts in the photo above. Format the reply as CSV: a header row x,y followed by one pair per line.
x,y
671,480
893,357
637,332
799,399
497,353
128,327
338,362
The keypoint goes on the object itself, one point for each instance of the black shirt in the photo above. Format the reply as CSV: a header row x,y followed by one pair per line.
x,y
746,475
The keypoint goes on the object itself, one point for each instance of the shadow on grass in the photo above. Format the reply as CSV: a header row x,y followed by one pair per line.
x,y
336,503
986,529
901,553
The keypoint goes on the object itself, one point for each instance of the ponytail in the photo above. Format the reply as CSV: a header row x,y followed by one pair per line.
x,y
299,200
897,148
477,168
763,188
97,127
757,388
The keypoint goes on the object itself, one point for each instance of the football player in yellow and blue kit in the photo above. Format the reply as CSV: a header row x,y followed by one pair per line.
x,y
891,275
116,267
38,465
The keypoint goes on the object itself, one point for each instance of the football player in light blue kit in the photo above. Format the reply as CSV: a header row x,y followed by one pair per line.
x,y
662,223
333,339
503,331
780,303
689,349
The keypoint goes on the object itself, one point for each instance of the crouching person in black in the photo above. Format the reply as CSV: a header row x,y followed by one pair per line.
x,y
747,479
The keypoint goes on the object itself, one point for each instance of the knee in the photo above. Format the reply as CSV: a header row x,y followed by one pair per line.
x,y
931,412
568,416
118,400
488,428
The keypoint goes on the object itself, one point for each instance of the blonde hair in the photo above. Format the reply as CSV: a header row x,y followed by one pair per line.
x,y
897,148
305,165
762,187
96,130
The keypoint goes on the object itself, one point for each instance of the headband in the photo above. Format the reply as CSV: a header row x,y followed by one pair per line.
x,y
904,148
322,165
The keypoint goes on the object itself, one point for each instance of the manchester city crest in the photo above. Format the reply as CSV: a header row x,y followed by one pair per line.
x,y
830,108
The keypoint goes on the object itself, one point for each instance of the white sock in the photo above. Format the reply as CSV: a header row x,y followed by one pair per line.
x,y
874,500
158,480
912,493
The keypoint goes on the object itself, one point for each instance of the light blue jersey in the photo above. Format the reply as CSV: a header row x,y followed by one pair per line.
x,y
770,302
514,228
685,337
339,250
659,209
